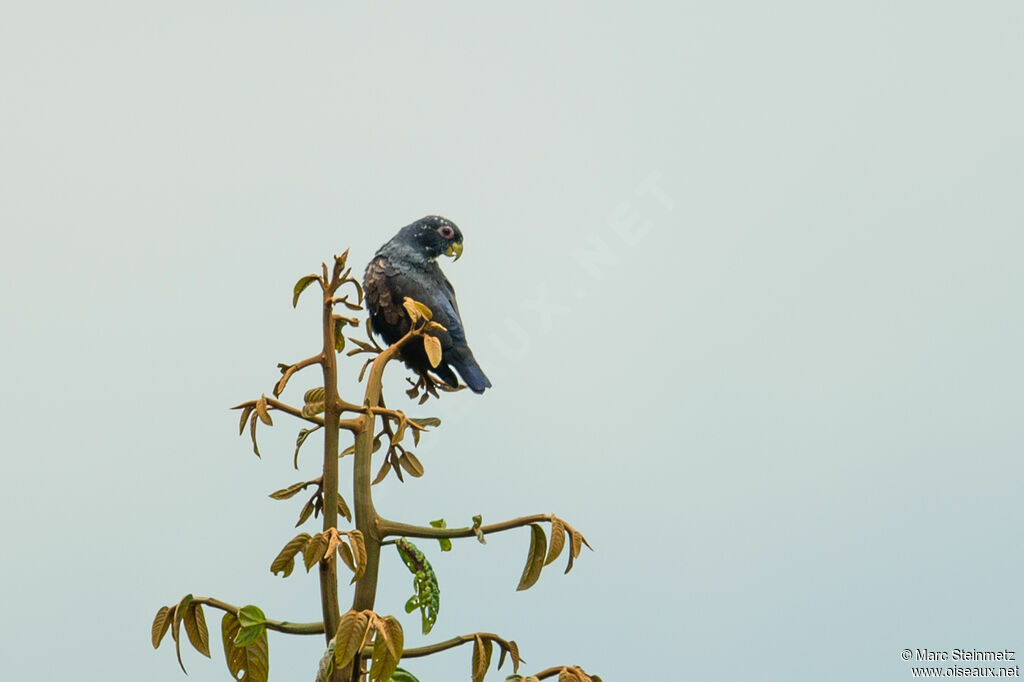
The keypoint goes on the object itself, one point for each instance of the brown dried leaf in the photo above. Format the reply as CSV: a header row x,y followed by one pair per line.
x,y
482,650
332,541
246,411
252,434
343,508
284,562
346,555
195,628
161,623
313,409
366,365
411,464
557,540
355,539
535,559
570,675
179,615
307,511
261,410
314,550
290,491
385,467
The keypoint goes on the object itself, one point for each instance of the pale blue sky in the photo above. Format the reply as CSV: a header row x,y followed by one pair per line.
x,y
746,278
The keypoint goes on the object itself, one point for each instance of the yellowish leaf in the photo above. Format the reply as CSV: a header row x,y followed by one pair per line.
x,y
160,624
557,540
353,629
482,650
416,310
433,347
261,410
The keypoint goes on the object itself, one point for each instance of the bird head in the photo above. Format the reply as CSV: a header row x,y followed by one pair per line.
x,y
433,236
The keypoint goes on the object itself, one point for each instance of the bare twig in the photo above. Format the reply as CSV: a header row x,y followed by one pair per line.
x,y
271,624
395,528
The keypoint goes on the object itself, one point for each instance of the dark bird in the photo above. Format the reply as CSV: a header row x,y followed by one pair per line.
x,y
407,266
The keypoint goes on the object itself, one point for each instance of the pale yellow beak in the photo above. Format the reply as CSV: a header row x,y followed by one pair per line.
x,y
455,250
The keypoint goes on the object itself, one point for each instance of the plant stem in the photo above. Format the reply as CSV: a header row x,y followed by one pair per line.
x,y
390,528
271,624
332,415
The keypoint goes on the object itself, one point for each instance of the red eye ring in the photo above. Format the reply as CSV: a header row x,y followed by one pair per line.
x,y
446,231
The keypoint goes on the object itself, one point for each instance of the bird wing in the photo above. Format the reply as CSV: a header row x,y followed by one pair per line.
x,y
388,283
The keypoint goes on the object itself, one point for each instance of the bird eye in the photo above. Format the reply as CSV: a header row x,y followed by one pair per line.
x,y
446,231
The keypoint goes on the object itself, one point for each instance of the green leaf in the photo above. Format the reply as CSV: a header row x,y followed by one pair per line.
x,y
195,628
251,615
284,562
248,635
446,543
535,558
401,675
249,663
161,623
300,286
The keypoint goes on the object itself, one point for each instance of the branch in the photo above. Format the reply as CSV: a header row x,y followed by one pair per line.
x,y
392,528
276,625
421,651
279,387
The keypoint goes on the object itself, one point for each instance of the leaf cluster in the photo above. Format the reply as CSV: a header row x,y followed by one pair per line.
x,y
542,552
318,547
188,613
358,629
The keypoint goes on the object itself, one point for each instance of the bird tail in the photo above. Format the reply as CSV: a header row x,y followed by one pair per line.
x,y
465,364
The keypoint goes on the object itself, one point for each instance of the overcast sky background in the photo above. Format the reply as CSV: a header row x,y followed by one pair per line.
x,y
746,278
